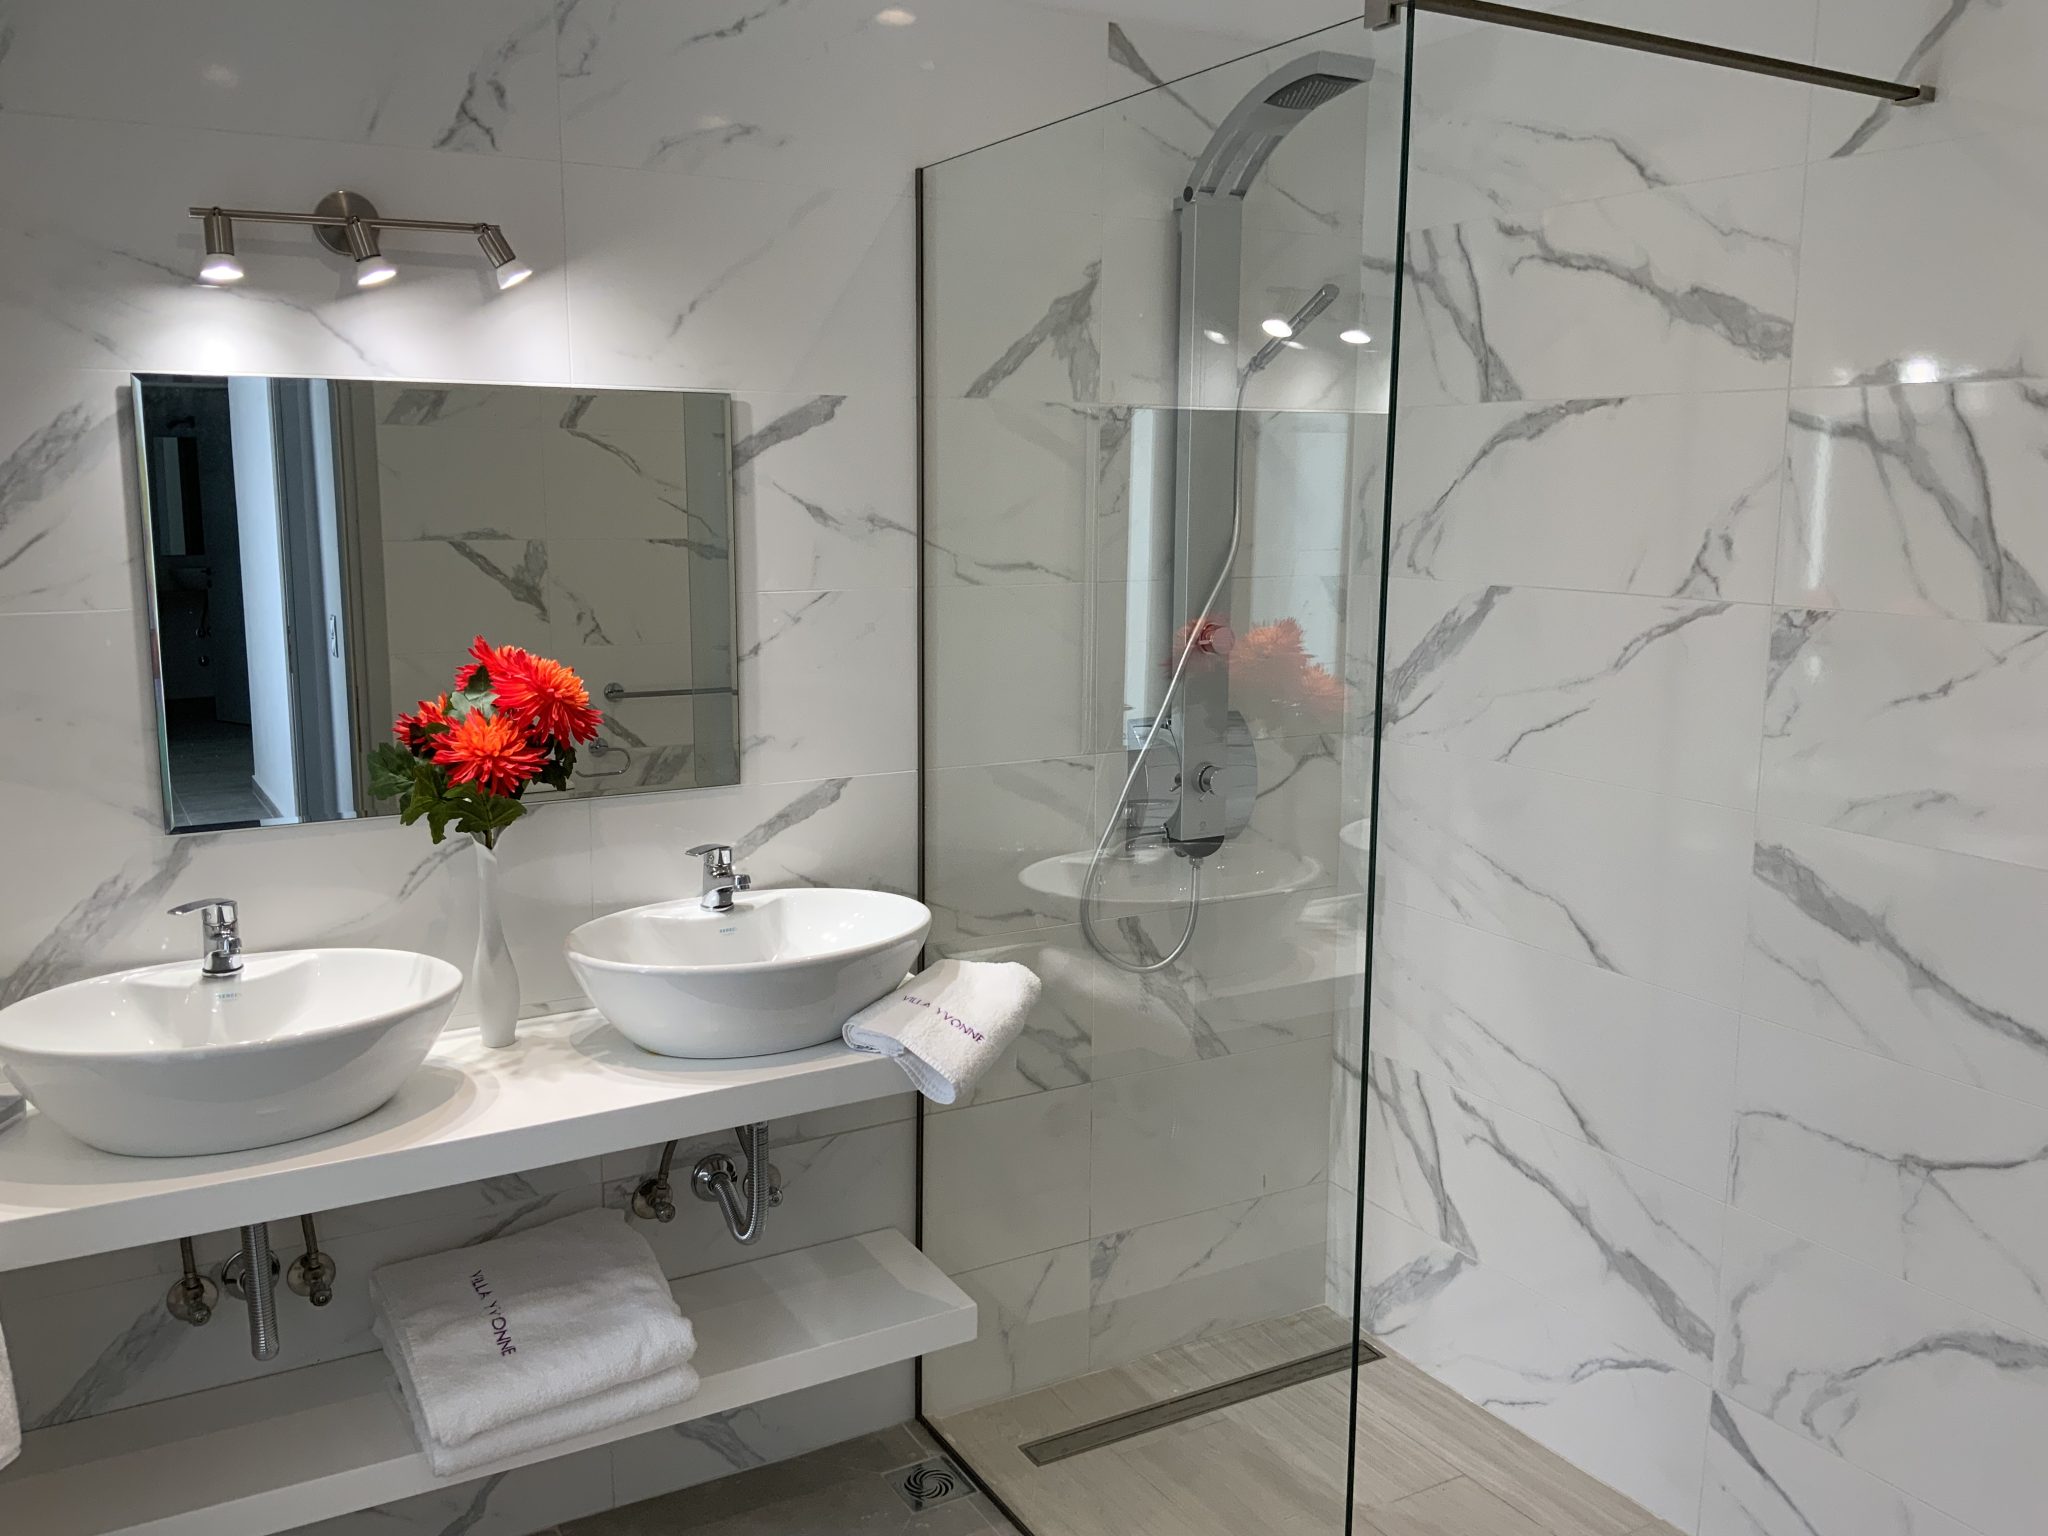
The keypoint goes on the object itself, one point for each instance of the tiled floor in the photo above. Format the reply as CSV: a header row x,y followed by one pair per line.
x,y
1429,1464
843,1490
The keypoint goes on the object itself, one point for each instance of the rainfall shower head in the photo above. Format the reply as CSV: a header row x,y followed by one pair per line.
x,y
1300,321
1242,141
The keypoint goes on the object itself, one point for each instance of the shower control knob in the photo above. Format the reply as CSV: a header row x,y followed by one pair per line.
x,y
1205,779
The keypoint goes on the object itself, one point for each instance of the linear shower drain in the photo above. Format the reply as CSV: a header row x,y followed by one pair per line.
x,y
934,1481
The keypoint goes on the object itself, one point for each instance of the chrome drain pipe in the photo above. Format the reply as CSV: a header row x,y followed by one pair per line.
x,y
743,1197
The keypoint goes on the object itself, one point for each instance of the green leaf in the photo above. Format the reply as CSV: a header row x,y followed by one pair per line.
x,y
478,695
484,815
391,770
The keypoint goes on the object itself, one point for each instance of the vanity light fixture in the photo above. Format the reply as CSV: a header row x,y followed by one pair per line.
x,y
348,223
220,264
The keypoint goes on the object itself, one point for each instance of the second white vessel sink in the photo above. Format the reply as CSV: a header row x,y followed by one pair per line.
x,y
165,1062
779,971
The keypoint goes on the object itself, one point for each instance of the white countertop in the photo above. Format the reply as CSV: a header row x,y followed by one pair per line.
x,y
571,1087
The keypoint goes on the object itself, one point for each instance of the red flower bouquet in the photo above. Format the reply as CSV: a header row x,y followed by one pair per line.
x,y
465,759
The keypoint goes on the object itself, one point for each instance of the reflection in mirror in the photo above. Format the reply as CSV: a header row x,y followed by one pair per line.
x,y
323,551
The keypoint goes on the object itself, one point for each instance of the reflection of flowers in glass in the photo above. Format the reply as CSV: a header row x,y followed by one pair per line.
x,y
1273,679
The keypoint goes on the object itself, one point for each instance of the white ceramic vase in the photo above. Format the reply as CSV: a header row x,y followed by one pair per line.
x,y
495,977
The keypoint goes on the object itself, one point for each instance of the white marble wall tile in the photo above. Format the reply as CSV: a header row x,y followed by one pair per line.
x,y
840,831
544,867
1918,498
1011,664
1921,1177
1012,299
1766,1481
798,717
1925,957
1033,1322
1563,864
861,1180
819,93
1008,492
1635,1254
1922,730
66,537
1623,1415
1981,57
1140,316
1884,297
825,494
1687,288
1664,495
1581,683
98,255
991,831
1937,1399
1643,1074
701,1450
470,75
93,1349
1056,1048
1514,123
1208,1133
703,282
1006,1179
1160,1285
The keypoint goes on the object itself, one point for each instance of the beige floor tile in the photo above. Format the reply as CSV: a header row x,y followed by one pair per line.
x,y
1457,1508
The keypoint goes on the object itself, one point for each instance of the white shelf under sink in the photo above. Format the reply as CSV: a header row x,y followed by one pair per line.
x,y
571,1087
285,1450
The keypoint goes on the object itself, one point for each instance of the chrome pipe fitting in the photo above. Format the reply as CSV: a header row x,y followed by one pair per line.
x,y
742,1196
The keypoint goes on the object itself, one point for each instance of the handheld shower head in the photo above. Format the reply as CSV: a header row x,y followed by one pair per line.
x,y
1302,318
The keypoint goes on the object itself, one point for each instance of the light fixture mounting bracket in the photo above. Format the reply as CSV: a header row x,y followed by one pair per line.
x,y
341,205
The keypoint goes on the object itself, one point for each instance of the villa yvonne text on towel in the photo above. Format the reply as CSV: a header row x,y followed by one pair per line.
x,y
948,1024
526,1341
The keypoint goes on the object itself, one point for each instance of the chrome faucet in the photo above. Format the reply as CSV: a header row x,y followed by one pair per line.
x,y
721,880
221,960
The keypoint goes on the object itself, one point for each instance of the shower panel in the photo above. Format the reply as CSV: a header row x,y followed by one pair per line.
x,y
1216,775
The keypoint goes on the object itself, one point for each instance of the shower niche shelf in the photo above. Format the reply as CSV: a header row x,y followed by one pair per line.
x,y
286,1450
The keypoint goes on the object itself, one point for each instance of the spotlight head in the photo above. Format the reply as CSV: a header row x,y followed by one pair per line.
x,y
510,270
371,267
220,264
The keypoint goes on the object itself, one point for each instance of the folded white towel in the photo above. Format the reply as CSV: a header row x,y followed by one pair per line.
x,y
948,1024
583,1417
10,1411
515,1328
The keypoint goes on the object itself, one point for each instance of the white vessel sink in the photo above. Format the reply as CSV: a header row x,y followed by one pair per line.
x,y
162,1062
780,971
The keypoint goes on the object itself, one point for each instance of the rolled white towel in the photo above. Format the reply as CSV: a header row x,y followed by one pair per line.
x,y
948,1024
583,1417
521,1326
10,1411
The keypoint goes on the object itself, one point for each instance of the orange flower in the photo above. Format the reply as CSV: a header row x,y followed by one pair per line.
x,y
546,698
490,751
416,731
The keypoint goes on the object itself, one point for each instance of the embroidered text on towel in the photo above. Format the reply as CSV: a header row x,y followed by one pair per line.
x,y
950,1017
501,1325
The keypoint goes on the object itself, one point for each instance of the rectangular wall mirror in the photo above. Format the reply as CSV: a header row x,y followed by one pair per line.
x,y
322,551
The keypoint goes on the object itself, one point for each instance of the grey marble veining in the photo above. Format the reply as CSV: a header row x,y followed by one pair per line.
x,y
1917,499
1912,68
1068,328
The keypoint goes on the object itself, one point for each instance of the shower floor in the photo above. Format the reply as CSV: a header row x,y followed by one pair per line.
x,y
1429,1463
